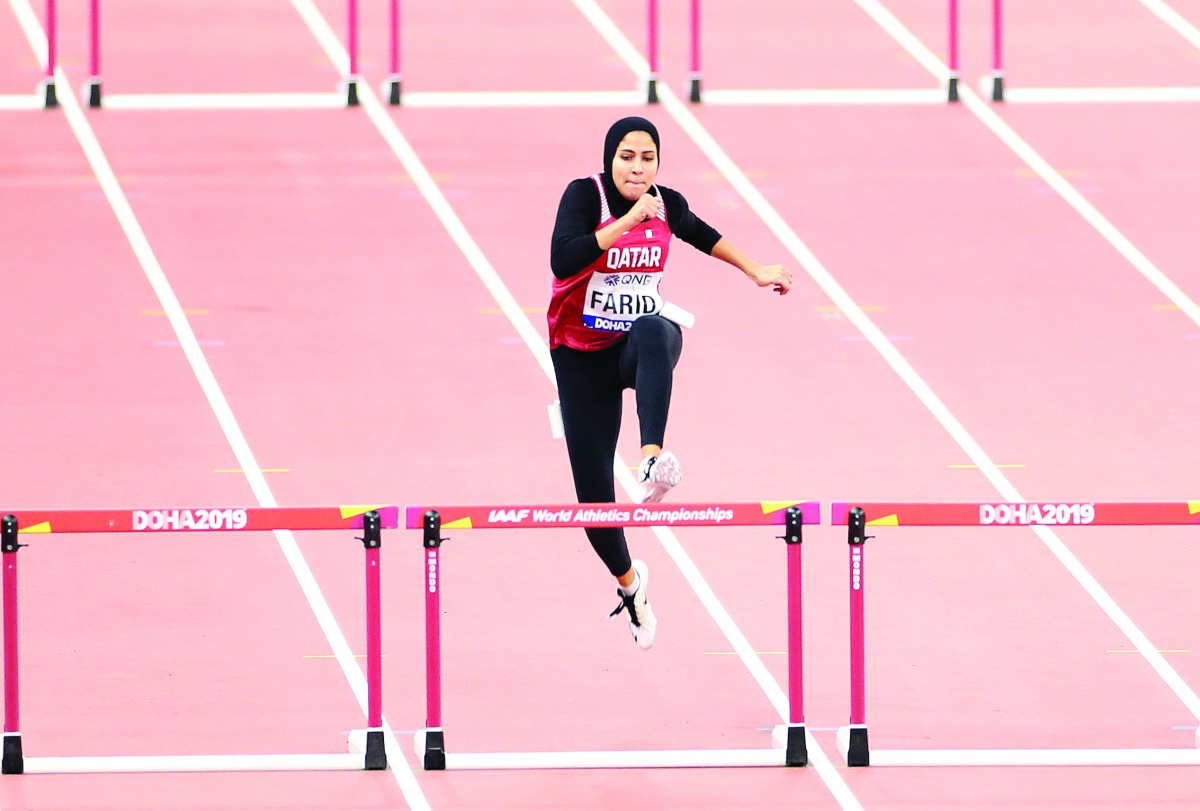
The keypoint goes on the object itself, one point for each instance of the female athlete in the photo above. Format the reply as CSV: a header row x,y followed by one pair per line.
x,y
608,331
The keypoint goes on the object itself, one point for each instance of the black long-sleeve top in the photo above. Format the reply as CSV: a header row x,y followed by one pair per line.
x,y
573,246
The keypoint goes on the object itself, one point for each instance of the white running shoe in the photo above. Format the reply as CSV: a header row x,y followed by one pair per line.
x,y
657,475
642,623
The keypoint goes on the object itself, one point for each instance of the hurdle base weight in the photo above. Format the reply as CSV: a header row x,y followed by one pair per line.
x,y
852,744
392,91
13,761
376,755
431,749
694,95
792,739
49,93
350,91
370,744
997,86
91,91
952,88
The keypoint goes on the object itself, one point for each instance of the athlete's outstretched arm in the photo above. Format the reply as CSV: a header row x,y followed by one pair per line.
x,y
776,276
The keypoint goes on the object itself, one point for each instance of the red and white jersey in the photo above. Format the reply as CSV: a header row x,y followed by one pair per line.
x,y
595,307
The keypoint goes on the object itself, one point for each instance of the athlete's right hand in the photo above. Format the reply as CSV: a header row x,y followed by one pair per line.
x,y
646,207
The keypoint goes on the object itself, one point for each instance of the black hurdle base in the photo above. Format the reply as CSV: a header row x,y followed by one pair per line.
x,y
434,757
13,760
796,752
997,87
376,756
852,742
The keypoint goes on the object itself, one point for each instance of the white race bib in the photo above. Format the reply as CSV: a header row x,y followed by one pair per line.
x,y
615,300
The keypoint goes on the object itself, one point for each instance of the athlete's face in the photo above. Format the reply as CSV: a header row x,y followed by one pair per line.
x,y
635,165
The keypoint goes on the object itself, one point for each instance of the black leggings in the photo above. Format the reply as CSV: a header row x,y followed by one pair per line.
x,y
590,391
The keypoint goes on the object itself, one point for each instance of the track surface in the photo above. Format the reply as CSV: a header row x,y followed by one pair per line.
x,y
365,361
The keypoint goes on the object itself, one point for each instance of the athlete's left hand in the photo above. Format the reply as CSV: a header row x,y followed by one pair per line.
x,y
775,276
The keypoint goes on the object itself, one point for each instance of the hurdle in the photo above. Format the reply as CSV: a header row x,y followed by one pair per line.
x,y
393,83
853,739
92,88
997,74
789,745
48,90
694,94
371,520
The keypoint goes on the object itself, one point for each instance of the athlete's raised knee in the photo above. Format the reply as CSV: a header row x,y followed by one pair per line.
x,y
652,326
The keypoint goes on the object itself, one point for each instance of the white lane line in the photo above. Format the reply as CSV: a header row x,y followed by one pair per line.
x,y
1100,95
22,102
1077,201
328,101
1174,19
522,98
824,96
224,101
157,278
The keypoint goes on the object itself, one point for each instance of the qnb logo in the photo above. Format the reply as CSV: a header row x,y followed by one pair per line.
x,y
628,279
176,520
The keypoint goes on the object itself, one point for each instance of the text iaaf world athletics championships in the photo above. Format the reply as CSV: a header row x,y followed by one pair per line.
x,y
641,514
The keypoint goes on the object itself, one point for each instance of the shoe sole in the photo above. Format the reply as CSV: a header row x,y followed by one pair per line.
x,y
666,475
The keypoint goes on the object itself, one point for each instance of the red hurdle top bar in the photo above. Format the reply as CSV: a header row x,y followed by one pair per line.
x,y
757,513
202,519
1033,513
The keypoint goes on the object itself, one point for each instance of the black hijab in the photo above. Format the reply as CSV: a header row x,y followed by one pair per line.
x,y
617,203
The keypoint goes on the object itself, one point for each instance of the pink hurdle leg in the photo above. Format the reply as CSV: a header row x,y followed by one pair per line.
x,y
997,52
12,761
857,750
953,34
858,670
433,642
394,53
93,85
652,50
796,753
374,632
51,54
352,48
376,755
694,94
435,752
795,638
